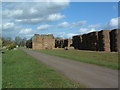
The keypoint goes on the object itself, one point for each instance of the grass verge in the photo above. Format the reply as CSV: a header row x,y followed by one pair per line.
x,y
22,71
106,59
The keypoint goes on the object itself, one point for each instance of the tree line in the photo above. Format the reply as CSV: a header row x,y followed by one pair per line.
x,y
9,43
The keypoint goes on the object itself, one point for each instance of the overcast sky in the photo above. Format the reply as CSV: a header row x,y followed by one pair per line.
x,y
63,19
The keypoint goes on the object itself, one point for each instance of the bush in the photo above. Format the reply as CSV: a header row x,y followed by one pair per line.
x,y
11,46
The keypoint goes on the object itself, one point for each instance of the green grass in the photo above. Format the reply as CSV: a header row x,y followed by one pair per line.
x,y
106,59
22,71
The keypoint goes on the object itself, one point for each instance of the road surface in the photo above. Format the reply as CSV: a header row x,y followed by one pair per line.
x,y
92,76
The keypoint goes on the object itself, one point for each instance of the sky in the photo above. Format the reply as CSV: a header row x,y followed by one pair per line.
x,y
62,19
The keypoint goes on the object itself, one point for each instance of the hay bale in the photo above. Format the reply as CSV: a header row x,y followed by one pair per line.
x,y
77,42
93,41
67,43
37,43
85,42
113,40
59,43
43,41
104,40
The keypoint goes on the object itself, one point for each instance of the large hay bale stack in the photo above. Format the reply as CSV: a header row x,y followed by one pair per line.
x,y
59,43
43,41
89,41
80,42
118,40
62,43
77,42
56,43
104,40
113,40
48,41
85,42
93,41
37,42
67,43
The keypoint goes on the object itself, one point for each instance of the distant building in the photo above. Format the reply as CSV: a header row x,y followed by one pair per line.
x,y
43,41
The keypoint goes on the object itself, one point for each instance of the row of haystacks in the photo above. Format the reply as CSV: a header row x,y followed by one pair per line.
x,y
105,40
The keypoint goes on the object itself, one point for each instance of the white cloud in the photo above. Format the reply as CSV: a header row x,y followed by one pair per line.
x,y
45,19
113,24
63,24
16,13
70,35
10,29
55,17
57,1
60,34
33,13
85,30
65,35
8,25
92,30
44,27
12,13
77,24
94,26
26,31
29,21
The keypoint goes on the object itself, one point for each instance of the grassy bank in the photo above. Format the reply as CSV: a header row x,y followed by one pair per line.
x,y
22,71
105,59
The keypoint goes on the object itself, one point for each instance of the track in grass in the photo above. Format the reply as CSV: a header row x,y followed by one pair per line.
x,y
106,59
92,76
22,71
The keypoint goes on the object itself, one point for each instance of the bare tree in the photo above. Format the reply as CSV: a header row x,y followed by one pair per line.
x,y
23,42
18,40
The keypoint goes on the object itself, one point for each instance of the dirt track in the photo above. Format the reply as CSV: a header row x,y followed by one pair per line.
x,y
89,75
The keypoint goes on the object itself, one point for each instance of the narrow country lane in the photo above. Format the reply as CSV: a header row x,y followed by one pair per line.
x,y
92,76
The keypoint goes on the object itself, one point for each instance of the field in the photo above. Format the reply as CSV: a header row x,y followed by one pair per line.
x,y
22,71
106,59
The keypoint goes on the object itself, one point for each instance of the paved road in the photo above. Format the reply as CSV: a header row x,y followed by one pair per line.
x,y
89,75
